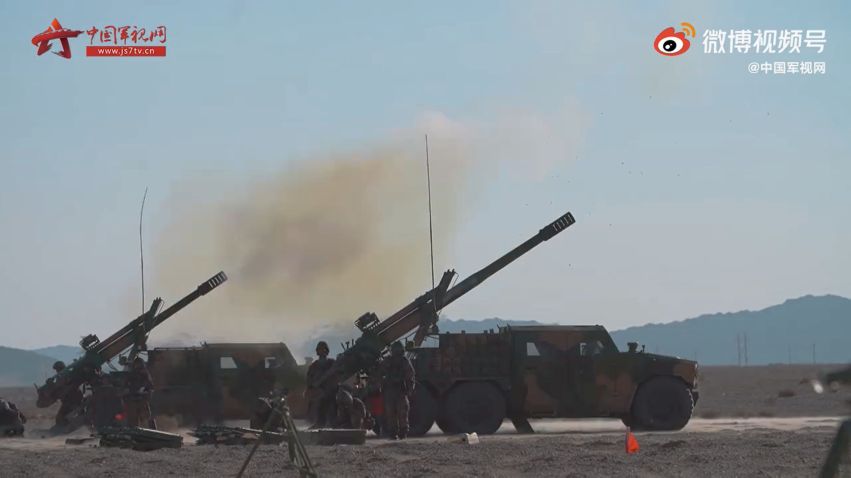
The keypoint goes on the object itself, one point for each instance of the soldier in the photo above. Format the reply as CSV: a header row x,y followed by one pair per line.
x,y
137,400
11,419
398,385
351,412
264,412
70,402
320,399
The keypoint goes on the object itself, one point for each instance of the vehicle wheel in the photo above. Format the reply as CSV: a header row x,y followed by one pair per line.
x,y
663,403
443,423
474,407
423,411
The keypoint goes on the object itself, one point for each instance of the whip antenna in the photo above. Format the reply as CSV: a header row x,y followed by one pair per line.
x,y
141,250
430,230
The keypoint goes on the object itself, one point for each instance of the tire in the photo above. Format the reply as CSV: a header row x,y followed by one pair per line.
x,y
423,411
444,426
662,403
473,407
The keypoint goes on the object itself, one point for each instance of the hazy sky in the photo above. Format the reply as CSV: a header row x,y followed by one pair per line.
x,y
697,186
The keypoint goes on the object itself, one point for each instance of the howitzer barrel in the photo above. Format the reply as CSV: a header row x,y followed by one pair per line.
x,y
474,280
98,353
406,320
125,337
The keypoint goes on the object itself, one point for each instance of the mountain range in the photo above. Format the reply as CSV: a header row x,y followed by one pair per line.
x,y
803,330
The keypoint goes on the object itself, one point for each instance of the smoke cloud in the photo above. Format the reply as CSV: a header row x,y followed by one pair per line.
x,y
317,244
333,236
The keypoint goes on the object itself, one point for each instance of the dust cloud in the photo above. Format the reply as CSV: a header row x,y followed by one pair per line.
x,y
316,244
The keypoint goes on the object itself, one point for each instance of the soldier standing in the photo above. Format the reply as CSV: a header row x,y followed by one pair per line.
x,y
320,398
397,386
137,401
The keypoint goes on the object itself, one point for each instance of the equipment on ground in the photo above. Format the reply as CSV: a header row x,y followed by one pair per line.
x,y
297,453
139,439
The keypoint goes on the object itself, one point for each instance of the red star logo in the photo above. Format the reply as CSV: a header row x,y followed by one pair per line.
x,y
55,32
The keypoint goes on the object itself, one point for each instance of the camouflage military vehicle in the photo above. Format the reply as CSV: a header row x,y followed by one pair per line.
x,y
215,382
472,382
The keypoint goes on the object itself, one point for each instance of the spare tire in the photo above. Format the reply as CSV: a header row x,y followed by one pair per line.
x,y
662,403
473,407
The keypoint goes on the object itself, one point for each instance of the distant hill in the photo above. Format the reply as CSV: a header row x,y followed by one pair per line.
x,y
23,367
777,334
65,353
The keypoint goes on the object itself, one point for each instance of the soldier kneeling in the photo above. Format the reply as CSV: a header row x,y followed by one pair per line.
x,y
351,411
11,419
264,416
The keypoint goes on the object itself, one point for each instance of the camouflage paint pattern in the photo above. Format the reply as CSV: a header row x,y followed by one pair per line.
x,y
214,382
549,371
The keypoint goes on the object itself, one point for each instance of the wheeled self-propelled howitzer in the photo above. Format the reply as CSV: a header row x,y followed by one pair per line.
x,y
132,337
420,316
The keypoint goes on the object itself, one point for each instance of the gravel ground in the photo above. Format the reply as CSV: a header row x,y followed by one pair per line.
x,y
753,452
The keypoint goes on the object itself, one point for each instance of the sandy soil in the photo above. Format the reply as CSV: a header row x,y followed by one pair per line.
x,y
719,447
764,421
767,391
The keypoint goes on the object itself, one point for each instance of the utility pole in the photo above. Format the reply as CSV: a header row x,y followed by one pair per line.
x,y
814,354
746,350
738,350
789,350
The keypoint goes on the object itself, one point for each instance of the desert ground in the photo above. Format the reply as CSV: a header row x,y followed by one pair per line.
x,y
750,421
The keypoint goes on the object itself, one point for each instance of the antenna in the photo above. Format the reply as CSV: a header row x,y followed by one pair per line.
x,y
430,230
141,250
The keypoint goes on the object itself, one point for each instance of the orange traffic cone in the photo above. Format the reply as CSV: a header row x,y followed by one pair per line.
x,y
631,442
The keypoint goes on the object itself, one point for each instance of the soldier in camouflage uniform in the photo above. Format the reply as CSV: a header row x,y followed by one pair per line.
x,y
351,411
264,413
320,399
11,419
137,401
72,401
397,387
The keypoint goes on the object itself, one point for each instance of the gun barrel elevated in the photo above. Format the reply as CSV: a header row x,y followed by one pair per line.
x,y
125,337
474,280
392,330
98,353
421,314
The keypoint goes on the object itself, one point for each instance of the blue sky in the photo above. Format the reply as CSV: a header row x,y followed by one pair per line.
x,y
697,186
